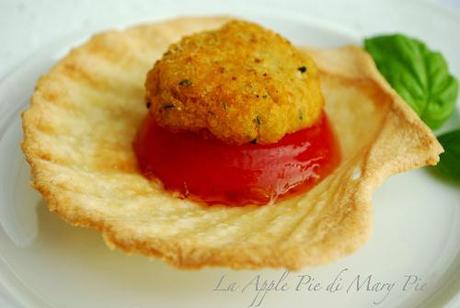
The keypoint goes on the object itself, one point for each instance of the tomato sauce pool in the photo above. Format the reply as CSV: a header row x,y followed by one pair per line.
x,y
206,169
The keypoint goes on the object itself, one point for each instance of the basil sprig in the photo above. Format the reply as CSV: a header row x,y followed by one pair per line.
x,y
422,78
419,75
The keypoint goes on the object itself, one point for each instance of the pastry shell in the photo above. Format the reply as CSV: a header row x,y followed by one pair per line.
x,y
86,110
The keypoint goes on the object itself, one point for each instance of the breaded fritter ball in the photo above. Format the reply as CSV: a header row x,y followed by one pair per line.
x,y
242,83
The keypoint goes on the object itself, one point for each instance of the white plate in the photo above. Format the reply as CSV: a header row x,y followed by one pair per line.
x,y
44,262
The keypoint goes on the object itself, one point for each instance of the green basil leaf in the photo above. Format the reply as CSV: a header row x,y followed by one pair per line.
x,y
449,164
419,75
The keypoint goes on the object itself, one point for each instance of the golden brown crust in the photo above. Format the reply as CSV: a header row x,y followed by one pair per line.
x,y
227,82
85,113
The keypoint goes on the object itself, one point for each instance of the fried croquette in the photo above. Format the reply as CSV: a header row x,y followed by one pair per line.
x,y
241,82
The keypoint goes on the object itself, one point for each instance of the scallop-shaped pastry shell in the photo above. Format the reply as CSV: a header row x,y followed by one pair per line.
x,y
85,112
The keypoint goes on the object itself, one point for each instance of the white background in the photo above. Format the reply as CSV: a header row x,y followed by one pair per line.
x,y
26,26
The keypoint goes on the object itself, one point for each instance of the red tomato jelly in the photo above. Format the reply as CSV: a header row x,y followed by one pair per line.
x,y
206,169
